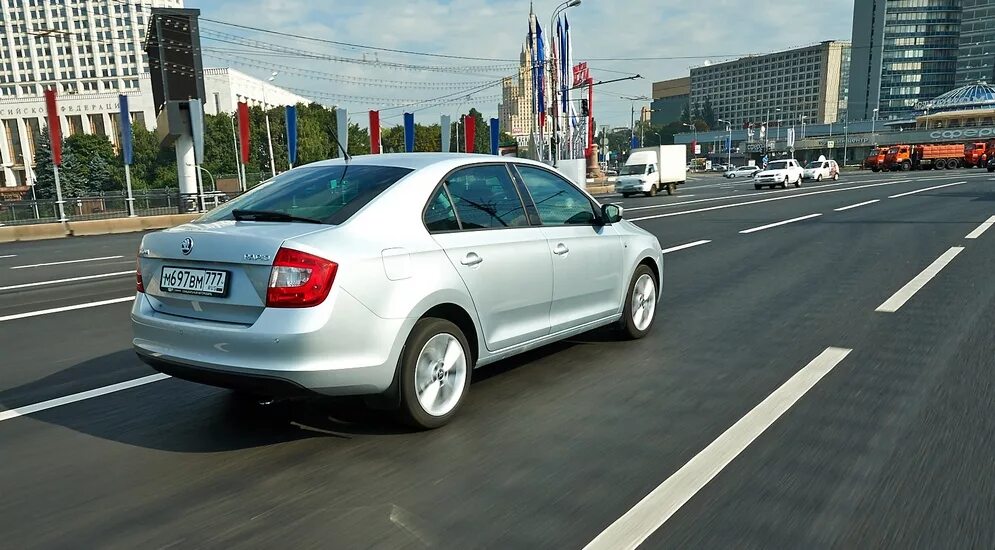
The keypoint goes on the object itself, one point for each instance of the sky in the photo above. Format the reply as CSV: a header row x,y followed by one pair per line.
x,y
677,33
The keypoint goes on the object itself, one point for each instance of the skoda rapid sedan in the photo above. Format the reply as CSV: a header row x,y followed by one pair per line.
x,y
389,276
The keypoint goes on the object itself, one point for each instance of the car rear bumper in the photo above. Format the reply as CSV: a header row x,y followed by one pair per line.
x,y
351,352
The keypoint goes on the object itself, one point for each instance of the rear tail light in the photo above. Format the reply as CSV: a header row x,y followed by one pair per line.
x,y
299,279
139,285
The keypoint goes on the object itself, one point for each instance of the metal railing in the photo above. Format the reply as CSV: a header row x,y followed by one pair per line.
x,y
110,205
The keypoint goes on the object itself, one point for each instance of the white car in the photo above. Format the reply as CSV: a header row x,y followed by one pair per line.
x,y
822,169
742,172
779,173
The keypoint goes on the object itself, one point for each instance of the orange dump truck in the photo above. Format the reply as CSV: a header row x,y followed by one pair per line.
x,y
923,157
875,159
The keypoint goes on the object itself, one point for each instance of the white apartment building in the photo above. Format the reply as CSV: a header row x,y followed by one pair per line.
x,y
90,51
516,110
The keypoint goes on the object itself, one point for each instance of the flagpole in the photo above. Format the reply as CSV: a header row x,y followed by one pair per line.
x,y
58,194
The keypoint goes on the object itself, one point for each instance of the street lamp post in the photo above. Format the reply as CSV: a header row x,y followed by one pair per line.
x,y
874,119
728,143
632,115
234,140
846,135
269,135
695,128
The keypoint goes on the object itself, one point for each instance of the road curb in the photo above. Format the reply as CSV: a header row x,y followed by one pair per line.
x,y
44,231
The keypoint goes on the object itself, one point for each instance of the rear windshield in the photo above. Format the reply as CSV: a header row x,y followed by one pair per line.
x,y
329,194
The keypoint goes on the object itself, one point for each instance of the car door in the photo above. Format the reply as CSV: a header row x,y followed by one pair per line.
x,y
477,216
587,255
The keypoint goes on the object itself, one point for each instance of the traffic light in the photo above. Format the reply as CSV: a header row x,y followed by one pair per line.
x,y
585,109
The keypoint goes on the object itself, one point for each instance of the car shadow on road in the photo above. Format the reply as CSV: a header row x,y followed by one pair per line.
x,y
179,416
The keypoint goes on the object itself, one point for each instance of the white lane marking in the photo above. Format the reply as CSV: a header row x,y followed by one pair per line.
x,y
69,280
776,224
927,189
904,294
16,316
68,262
727,197
683,246
858,205
8,256
747,203
82,396
981,229
636,525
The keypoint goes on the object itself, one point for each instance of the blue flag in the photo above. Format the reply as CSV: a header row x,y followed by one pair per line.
x,y
495,136
126,137
409,132
292,134
541,67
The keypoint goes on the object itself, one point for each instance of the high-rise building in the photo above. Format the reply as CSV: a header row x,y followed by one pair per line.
x,y
976,54
800,85
669,97
515,110
904,51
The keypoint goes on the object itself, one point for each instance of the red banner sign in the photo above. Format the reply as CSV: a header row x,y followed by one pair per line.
x,y
470,133
581,74
243,130
375,132
54,127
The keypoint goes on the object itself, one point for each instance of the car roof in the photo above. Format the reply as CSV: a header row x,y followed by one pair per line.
x,y
416,161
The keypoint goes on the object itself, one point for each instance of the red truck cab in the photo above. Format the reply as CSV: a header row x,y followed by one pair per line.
x,y
875,159
975,154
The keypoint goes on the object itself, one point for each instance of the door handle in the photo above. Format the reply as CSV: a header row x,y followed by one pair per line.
x,y
560,249
471,259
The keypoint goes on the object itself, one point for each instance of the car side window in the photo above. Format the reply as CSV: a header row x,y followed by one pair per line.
x,y
485,197
439,213
557,200
651,170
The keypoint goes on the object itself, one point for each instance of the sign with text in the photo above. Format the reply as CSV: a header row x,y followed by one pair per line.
x,y
581,74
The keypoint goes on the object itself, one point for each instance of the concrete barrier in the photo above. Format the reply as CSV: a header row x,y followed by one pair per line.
x,y
91,227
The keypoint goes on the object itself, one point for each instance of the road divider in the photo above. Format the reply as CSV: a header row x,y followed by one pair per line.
x,y
101,259
82,396
636,525
87,305
893,304
39,231
927,189
858,205
684,246
69,280
985,226
777,224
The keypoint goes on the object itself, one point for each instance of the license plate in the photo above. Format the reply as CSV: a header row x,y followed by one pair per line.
x,y
201,282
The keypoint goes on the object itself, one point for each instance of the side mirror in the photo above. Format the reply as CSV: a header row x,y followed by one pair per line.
x,y
611,213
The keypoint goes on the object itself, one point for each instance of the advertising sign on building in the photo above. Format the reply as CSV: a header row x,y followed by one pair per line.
x,y
791,137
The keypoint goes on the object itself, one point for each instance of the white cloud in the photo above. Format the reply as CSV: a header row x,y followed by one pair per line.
x,y
690,34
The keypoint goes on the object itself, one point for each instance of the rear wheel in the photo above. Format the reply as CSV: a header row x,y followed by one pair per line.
x,y
798,182
434,373
626,195
875,169
952,163
640,304
836,176
671,188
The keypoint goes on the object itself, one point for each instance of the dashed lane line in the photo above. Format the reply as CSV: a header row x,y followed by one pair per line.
x,y
81,396
636,525
684,246
858,205
927,189
68,262
985,226
69,280
904,294
87,305
777,224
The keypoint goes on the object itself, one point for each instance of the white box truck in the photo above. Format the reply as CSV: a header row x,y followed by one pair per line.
x,y
652,169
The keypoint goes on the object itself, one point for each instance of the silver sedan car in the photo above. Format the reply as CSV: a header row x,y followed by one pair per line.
x,y
389,276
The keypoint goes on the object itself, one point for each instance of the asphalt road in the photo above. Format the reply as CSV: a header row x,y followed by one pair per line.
x,y
773,405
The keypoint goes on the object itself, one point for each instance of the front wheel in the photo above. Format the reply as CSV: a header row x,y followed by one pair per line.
x,y
640,304
434,373
757,186
651,192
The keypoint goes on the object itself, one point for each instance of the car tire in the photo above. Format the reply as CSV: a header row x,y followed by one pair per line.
x,y
422,362
730,176
991,169
671,188
635,322
818,178
626,195
757,186
652,191
798,182
784,184
836,176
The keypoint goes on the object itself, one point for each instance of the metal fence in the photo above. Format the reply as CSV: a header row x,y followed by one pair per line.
x,y
110,205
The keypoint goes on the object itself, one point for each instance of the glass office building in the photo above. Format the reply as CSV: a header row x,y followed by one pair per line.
x,y
976,56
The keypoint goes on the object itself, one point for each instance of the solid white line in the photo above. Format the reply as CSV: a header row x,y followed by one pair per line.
x,y
683,246
636,525
747,203
859,204
893,304
8,256
68,262
981,229
69,280
82,396
927,189
785,222
727,197
66,308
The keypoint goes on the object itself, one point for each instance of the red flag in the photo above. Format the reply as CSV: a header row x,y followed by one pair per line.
x,y
54,127
375,132
243,129
469,129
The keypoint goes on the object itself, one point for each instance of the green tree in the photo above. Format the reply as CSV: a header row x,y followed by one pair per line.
x,y
89,166
686,113
708,113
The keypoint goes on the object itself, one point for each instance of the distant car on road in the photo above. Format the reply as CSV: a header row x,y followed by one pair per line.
x,y
742,172
720,167
822,169
779,173
391,277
